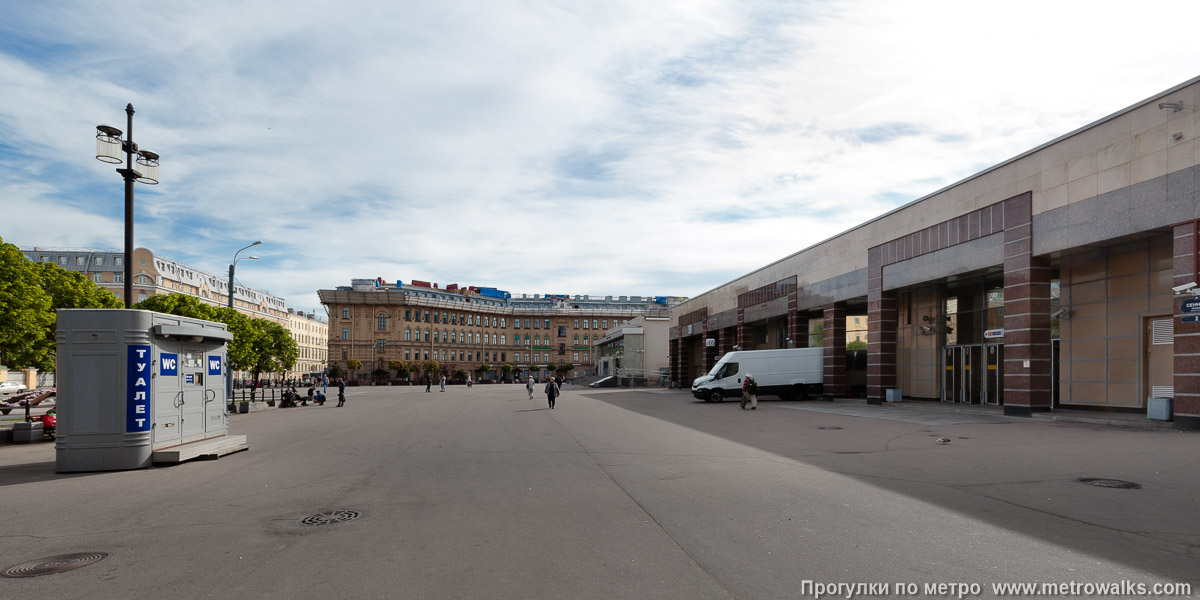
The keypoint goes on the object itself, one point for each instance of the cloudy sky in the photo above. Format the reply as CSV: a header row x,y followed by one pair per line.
x,y
649,147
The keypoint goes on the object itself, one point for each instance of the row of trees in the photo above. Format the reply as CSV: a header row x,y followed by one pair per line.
x,y
259,346
30,293
432,368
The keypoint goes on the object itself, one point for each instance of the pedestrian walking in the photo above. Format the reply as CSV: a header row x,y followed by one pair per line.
x,y
443,383
428,384
552,391
468,381
341,391
529,387
749,392
325,384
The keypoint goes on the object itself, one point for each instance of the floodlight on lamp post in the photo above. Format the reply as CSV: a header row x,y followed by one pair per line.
x,y
232,266
109,147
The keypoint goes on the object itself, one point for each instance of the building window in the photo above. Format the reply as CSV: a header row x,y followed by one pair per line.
x,y
576,340
427,338
576,324
406,354
118,260
96,278
575,357
426,316
141,296
407,335
453,321
343,355
562,331
345,333
436,317
444,317
547,323
503,322
604,323
408,314
585,323
537,324
99,260
381,322
453,337
345,312
595,324
380,345
526,340
503,341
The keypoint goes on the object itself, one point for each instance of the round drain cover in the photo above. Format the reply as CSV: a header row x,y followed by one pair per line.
x,y
55,564
1110,483
331,517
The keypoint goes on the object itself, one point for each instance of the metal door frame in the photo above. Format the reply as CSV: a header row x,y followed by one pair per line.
x,y
994,375
956,373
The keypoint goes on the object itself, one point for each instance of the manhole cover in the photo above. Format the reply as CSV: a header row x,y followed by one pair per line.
x,y
1110,483
331,517
829,428
55,564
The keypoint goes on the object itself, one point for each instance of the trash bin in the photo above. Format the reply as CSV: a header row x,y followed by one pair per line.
x,y
1159,408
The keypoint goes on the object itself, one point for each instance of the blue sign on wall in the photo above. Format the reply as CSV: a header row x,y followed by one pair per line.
x,y
214,365
1191,305
189,378
137,389
168,365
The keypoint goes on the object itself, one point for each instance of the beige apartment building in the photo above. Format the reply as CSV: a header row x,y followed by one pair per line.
x,y
463,327
154,275
311,335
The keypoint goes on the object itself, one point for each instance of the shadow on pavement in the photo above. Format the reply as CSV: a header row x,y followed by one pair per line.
x,y
1023,477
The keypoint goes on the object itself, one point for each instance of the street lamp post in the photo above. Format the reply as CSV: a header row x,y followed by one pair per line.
x,y
109,147
232,266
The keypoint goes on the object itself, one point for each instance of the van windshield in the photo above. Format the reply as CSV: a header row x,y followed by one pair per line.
x,y
728,369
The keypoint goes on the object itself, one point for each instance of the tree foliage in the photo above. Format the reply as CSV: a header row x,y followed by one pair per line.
x,y
30,293
25,315
856,345
259,346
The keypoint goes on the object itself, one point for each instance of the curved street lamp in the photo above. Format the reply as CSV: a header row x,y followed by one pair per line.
x,y
109,147
228,371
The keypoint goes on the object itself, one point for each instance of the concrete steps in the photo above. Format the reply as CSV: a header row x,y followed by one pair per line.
x,y
210,449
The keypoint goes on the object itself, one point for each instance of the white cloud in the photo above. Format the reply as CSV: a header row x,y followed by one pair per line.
x,y
614,148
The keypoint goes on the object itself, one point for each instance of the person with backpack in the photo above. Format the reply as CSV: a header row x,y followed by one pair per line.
x,y
749,392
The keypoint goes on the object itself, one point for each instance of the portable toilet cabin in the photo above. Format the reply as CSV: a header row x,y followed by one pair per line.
x,y
135,382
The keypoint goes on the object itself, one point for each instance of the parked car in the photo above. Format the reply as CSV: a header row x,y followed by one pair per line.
x,y
11,387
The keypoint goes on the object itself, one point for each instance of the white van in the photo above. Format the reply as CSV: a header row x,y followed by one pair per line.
x,y
791,374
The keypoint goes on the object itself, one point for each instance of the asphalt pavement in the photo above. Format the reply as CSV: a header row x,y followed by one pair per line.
x,y
483,493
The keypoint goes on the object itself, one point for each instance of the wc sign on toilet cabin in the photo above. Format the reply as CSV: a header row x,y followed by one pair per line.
x,y
137,389
214,365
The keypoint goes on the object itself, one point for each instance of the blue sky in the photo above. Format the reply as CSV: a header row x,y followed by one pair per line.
x,y
650,148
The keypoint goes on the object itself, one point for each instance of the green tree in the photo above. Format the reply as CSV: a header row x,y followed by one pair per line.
x,y
25,312
401,368
68,289
335,372
179,304
273,349
507,370
353,365
856,345
483,369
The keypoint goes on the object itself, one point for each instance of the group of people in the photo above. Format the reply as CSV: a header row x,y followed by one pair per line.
x,y
553,389
442,383
291,395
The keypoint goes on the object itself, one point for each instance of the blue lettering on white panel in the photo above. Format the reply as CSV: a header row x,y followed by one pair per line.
x,y
189,378
137,388
168,364
214,365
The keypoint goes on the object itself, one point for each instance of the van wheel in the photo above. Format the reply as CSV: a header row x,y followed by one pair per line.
x,y
716,396
799,392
